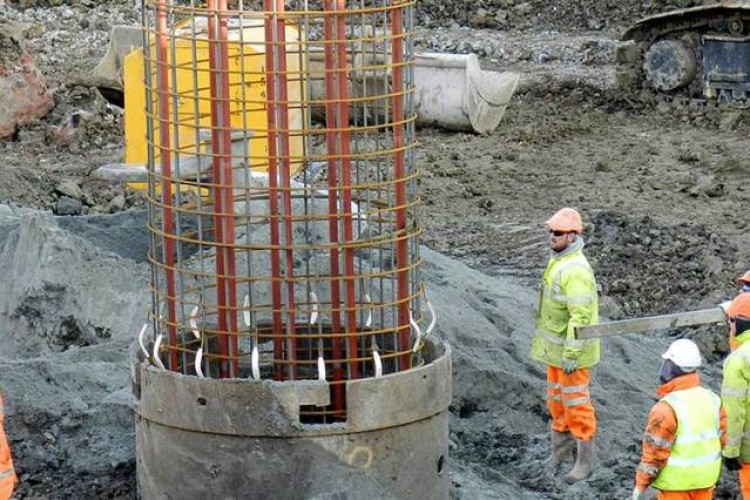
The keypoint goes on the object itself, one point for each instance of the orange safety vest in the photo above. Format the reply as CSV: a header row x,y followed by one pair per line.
x,y
7,473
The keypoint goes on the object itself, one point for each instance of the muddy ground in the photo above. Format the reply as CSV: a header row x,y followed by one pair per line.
x,y
662,191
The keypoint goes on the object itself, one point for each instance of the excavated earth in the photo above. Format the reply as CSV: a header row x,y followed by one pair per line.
x,y
663,191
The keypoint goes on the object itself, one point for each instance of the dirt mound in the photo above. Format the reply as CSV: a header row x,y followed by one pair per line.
x,y
68,313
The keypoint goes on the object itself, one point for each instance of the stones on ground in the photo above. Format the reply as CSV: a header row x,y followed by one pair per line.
x,y
117,204
707,185
68,206
523,9
69,188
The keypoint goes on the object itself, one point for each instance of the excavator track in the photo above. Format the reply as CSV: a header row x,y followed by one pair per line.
x,y
694,57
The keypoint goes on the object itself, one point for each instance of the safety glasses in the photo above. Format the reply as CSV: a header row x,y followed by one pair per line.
x,y
557,234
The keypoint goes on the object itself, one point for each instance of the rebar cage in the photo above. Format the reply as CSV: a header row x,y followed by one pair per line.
x,y
282,189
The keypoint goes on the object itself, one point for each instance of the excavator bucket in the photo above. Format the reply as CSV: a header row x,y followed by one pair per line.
x,y
108,74
453,92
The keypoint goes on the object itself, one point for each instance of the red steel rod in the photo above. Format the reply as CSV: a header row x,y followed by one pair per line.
x,y
346,186
333,231
286,174
227,182
399,172
162,63
273,203
216,189
220,164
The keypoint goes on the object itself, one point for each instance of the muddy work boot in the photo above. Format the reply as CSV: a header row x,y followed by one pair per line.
x,y
584,463
562,446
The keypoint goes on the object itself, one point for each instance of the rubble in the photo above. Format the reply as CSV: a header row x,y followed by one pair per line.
x,y
24,95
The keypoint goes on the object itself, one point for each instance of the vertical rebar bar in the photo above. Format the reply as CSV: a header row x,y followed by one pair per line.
x,y
165,152
399,174
273,202
221,150
285,175
333,156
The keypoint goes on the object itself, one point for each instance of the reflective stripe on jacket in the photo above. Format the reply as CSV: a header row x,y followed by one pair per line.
x,y
734,393
695,459
568,299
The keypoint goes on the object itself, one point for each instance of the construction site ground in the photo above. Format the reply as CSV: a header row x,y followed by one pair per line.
x,y
663,191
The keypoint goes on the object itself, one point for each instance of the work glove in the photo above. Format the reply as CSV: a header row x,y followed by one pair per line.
x,y
569,365
637,494
733,464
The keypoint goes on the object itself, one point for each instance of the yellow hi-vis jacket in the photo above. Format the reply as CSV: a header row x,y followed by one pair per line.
x,y
735,392
568,299
695,459
7,472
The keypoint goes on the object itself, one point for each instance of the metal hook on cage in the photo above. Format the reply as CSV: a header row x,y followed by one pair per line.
x,y
193,320
314,314
157,346
433,321
370,307
321,362
315,308
141,343
418,340
376,360
157,342
254,354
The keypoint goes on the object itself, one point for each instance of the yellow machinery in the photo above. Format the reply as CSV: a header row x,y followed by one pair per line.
x,y
189,73
450,91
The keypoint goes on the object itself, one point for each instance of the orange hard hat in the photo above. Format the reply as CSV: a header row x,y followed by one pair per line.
x,y
740,306
566,219
744,279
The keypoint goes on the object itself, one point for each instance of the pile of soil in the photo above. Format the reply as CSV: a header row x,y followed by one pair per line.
x,y
71,304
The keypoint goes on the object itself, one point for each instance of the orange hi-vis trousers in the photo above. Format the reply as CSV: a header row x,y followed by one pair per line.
x,y
704,494
569,402
744,473
7,473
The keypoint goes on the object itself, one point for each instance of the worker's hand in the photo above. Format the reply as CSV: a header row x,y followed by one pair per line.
x,y
569,365
637,494
732,464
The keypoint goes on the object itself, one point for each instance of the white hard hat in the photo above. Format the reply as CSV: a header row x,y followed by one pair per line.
x,y
684,353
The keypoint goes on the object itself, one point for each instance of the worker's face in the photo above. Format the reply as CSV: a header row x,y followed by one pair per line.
x,y
559,240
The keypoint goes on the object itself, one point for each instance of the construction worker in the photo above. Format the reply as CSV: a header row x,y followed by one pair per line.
x,y
7,472
744,283
735,391
568,299
685,432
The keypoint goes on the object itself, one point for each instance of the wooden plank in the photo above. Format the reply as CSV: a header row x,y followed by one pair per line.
x,y
651,323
